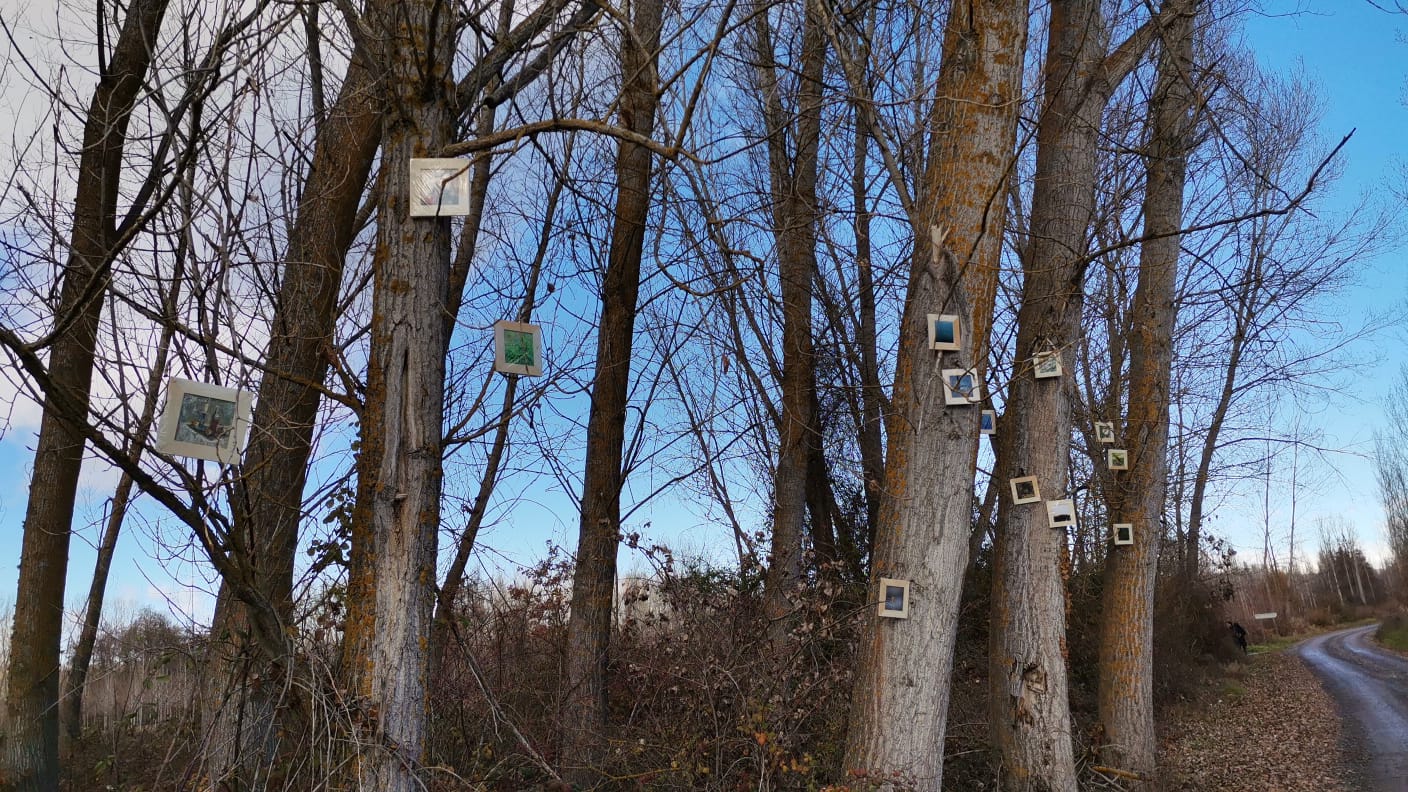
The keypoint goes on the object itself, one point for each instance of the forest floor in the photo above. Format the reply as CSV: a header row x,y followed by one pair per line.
x,y
1266,725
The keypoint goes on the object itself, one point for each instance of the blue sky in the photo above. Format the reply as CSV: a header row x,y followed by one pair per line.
x,y
1353,51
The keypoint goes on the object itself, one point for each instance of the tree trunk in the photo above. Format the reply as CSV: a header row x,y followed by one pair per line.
x,y
792,177
900,703
593,581
1126,690
1030,713
29,756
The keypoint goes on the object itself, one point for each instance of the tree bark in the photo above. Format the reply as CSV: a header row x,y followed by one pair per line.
x,y
900,703
1126,689
1030,713
593,581
29,756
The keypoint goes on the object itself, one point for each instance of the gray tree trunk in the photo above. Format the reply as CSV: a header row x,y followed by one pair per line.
x,y
900,703
29,754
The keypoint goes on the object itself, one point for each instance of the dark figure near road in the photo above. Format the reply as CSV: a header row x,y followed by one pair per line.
x,y
1239,634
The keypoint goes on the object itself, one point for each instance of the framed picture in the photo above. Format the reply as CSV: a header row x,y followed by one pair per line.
x,y
1122,533
1104,432
1061,513
894,598
988,423
1046,364
1118,459
962,386
1024,490
204,421
439,187
518,349
944,332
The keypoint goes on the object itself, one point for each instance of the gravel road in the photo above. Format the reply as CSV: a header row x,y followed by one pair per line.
x,y
1370,685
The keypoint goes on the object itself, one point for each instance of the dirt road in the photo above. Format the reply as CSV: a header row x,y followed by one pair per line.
x,y
1370,685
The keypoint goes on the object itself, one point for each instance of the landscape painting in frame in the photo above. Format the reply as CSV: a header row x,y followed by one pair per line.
x,y
204,421
1104,432
944,332
1024,490
1124,533
439,187
894,598
1061,513
518,349
1118,459
963,387
989,422
1046,364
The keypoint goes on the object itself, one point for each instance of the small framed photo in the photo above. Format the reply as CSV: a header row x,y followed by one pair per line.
x,y
1061,513
1025,490
988,423
439,187
204,421
1122,533
1117,458
894,598
962,386
1046,364
1104,432
944,332
518,349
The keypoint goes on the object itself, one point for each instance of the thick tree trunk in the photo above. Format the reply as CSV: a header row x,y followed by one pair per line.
x,y
1030,713
403,415
900,704
29,753
593,581
792,176
1126,691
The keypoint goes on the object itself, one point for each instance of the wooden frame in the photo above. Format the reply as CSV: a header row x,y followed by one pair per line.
x,y
1122,533
204,421
962,386
1061,513
518,349
1117,459
1104,432
945,332
1046,365
894,599
439,187
1025,490
987,424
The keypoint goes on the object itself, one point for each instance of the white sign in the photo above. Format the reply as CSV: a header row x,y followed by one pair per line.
x,y
1271,615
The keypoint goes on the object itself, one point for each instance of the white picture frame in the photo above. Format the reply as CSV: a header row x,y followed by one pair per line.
x,y
945,332
1046,365
204,421
894,599
1122,533
1117,459
1105,432
1061,513
1025,490
439,187
962,387
987,424
518,349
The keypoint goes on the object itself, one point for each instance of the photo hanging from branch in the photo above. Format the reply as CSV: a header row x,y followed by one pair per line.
x,y
1118,459
518,349
944,332
988,423
1046,364
1025,490
1104,432
1123,533
894,598
204,421
439,187
1061,513
962,386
